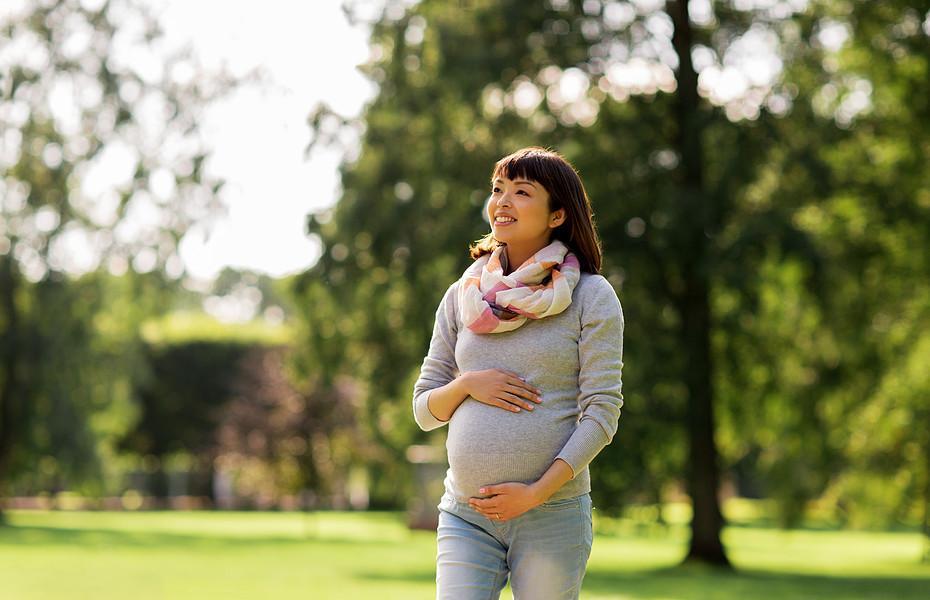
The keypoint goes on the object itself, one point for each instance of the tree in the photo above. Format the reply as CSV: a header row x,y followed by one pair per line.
x,y
103,168
715,207
873,228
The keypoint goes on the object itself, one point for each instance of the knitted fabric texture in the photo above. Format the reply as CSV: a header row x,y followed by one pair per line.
x,y
575,359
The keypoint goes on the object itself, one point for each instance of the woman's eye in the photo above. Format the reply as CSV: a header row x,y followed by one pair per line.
x,y
495,190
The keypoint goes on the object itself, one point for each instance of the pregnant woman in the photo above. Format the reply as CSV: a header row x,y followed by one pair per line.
x,y
524,366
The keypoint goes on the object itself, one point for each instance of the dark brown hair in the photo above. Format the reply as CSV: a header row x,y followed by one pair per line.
x,y
560,179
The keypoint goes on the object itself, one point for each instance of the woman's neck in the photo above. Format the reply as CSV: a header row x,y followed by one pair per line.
x,y
517,256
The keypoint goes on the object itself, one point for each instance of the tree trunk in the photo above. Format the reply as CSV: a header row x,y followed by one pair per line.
x,y
703,476
694,307
8,371
925,526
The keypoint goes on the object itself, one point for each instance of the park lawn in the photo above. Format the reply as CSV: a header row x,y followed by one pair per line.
x,y
281,555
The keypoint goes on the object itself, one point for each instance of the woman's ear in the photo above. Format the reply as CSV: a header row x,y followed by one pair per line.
x,y
557,218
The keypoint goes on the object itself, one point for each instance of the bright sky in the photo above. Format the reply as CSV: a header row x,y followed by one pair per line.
x,y
259,135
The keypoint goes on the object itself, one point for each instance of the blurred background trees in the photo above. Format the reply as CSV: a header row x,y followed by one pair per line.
x,y
758,174
716,146
100,160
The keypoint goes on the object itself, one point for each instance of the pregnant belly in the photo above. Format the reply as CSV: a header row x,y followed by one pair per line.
x,y
488,445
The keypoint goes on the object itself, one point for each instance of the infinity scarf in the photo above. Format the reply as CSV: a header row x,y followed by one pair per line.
x,y
492,302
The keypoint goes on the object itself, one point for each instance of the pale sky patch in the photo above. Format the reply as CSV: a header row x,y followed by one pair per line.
x,y
258,135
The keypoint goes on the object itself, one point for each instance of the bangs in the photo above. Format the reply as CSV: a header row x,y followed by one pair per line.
x,y
521,166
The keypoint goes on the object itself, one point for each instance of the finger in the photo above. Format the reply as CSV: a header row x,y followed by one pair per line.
x,y
479,501
503,403
520,380
518,401
530,391
525,393
487,502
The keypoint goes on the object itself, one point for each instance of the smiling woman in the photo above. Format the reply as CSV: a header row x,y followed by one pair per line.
x,y
525,368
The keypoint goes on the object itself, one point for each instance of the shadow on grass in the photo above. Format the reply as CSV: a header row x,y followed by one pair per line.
x,y
695,582
409,576
69,537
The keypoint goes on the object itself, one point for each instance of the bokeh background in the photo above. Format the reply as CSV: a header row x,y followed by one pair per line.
x,y
225,229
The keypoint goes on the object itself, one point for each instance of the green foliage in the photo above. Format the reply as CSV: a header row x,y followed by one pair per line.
x,y
770,257
74,111
188,326
800,218
181,399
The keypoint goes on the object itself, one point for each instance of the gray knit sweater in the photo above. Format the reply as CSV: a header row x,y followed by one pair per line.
x,y
574,358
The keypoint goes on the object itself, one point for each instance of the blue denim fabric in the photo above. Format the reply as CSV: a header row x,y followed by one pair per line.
x,y
544,551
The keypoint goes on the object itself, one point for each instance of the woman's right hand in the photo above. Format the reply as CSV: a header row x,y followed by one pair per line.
x,y
501,388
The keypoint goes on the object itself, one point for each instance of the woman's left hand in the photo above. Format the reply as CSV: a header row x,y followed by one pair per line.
x,y
509,500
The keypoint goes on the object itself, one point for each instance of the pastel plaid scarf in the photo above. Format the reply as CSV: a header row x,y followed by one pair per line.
x,y
492,302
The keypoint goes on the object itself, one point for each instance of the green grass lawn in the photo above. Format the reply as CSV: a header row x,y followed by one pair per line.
x,y
142,555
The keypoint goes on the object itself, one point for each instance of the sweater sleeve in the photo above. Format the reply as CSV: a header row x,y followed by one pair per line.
x,y
600,353
439,366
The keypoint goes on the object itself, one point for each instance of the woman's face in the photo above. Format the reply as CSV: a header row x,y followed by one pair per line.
x,y
527,203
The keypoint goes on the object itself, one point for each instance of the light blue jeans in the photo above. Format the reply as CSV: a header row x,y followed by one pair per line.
x,y
545,551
